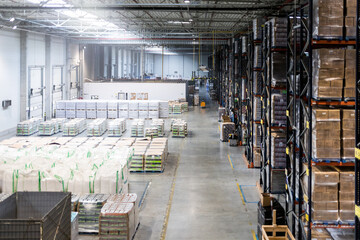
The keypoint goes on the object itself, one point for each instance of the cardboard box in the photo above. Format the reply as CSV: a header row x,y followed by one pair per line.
x,y
329,92
351,11
349,124
330,21
346,196
257,158
326,114
326,143
348,114
348,142
350,31
349,92
327,126
350,3
350,77
324,196
330,74
348,132
325,206
350,21
348,152
325,175
320,187
327,153
325,134
347,205
265,199
325,215
319,234
347,215
327,55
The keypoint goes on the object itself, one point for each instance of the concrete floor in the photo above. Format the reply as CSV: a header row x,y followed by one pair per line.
x,y
206,191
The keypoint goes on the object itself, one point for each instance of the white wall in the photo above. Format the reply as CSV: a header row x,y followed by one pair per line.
x,y
9,78
156,91
183,64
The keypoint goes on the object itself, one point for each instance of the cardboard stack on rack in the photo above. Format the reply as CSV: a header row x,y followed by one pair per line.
x,y
279,31
348,134
328,20
326,128
350,18
325,202
257,158
257,30
257,109
257,135
350,74
278,150
328,73
346,194
278,109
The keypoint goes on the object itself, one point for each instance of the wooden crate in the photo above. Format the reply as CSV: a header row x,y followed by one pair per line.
x,y
277,232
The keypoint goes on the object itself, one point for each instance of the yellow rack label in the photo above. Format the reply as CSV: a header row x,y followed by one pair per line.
x,y
306,199
307,172
261,98
262,122
268,102
307,124
287,151
307,217
287,113
357,211
286,187
357,153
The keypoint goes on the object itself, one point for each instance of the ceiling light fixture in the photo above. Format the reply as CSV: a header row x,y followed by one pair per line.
x,y
186,1
12,19
190,20
14,27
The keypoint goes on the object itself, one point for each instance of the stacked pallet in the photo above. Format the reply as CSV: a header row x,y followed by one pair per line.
x,y
91,109
326,132
101,109
96,128
179,128
80,109
152,132
278,109
160,125
350,74
137,128
48,128
71,109
328,17
60,111
74,225
28,127
346,194
348,134
278,31
164,109
328,73
350,19
74,127
154,112
90,206
124,109
184,107
226,128
112,109
154,160
143,109
278,69
177,108
133,109
116,127
257,30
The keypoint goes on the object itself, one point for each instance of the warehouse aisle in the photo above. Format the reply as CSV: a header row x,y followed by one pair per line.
x,y
214,196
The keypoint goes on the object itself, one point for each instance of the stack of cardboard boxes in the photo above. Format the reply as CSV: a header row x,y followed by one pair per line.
x,y
346,193
348,134
328,73
350,18
328,18
350,72
326,128
324,191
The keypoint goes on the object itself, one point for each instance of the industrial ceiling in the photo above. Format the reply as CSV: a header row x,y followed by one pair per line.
x,y
179,22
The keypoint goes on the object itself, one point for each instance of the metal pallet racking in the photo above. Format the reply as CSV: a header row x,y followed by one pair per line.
x,y
300,102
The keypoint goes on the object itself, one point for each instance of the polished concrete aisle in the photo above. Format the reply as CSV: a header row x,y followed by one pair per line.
x,y
206,191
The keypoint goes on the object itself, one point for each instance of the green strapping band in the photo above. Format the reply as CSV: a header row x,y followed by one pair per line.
x,y
117,181
39,174
17,178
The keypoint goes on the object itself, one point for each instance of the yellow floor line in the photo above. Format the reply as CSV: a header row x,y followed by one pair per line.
x,y
253,234
242,197
230,162
168,209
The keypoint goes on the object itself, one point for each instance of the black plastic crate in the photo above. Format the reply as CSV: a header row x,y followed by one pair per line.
x,y
36,215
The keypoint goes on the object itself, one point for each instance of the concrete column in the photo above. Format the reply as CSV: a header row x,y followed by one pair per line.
x,y
48,77
116,64
68,70
81,70
23,78
120,63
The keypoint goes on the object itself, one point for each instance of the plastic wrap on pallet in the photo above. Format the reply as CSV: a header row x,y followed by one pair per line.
x,y
326,128
28,127
71,105
116,127
243,44
179,128
278,69
278,150
74,127
278,109
154,160
257,28
160,125
96,127
117,220
257,109
48,128
226,129
328,17
257,82
279,31
257,135
328,73
257,56
348,134
74,225
90,206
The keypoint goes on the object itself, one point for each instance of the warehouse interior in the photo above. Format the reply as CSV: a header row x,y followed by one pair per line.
x,y
180,119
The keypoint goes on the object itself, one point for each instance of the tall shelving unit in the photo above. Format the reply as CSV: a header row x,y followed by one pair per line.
x,y
243,101
300,104
357,128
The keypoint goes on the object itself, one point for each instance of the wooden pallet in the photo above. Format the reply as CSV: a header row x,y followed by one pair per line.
x,y
276,232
